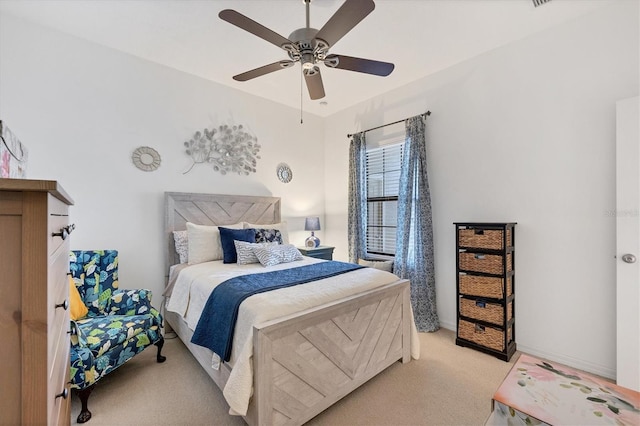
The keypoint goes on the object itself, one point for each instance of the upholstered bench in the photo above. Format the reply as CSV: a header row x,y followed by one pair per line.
x,y
537,392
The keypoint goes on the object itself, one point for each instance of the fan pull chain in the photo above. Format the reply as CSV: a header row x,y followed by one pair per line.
x,y
301,72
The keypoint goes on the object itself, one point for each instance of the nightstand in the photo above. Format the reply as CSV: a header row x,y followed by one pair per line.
x,y
320,252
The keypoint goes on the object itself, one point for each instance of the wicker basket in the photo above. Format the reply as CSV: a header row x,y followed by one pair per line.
x,y
485,336
483,238
475,285
487,263
484,311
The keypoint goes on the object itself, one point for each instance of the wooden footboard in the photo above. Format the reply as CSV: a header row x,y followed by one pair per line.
x,y
306,362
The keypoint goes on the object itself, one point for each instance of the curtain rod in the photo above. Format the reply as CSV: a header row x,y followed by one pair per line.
x,y
428,113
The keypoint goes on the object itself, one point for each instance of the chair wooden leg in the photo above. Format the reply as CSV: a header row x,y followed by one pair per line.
x,y
160,344
85,414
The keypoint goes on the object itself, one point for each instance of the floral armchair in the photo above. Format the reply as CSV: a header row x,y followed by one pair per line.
x,y
115,325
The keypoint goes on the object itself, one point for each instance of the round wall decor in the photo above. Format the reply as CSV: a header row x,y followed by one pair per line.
x,y
146,158
284,173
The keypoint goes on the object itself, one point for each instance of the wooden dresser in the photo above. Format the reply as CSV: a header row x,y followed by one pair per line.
x,y
486,287
34,300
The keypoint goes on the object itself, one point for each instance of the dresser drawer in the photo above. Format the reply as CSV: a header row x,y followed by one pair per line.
x,y
64,416
487,263
63,406
485,311
490,287
58,232
486,336
59,339
59,406
58,321
58,266
58,224
492,239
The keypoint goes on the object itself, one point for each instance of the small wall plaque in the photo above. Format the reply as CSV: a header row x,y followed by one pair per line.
x,y
146,159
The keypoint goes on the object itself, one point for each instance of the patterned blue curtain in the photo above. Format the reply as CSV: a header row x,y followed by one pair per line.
x,y
414,236
357,212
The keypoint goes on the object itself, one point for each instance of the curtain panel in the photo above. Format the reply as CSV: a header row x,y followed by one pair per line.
x,y
357,209
414,237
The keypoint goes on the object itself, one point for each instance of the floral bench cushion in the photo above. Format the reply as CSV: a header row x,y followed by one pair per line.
x,y
100,334
87,366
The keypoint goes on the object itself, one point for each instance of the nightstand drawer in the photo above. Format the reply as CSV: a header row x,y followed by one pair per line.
x,y
321,252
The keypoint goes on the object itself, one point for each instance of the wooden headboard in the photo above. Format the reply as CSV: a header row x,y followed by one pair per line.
x,y
213,209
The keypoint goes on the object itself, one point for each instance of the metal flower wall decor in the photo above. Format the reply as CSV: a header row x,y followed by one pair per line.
x,y
229,149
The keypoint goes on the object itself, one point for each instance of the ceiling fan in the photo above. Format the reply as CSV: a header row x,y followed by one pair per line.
x,y
310,46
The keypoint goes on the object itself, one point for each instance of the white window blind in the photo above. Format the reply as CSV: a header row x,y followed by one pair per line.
x,y
383,164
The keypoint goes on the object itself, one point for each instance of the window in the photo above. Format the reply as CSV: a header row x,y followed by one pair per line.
x,y
383,164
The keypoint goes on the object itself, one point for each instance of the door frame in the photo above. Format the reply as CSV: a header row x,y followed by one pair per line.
x,y
628,242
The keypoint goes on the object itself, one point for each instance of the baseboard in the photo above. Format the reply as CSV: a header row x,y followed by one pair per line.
x,y
449,325
569,361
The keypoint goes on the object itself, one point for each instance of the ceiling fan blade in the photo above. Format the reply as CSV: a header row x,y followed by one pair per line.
x,y
367,66
263,70
314,83
247,24
345,18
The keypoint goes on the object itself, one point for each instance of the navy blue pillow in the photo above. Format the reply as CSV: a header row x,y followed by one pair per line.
x,y
228,235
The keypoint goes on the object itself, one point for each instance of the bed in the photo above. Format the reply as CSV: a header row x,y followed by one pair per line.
x,y
299,362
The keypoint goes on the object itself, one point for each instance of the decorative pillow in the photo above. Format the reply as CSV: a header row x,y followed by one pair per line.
x,y
282,227
268,236
245,251
77,308
180,238
228,235
275,254
383,265
204,242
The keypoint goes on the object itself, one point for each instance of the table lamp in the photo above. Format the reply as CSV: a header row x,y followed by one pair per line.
x,y
312,224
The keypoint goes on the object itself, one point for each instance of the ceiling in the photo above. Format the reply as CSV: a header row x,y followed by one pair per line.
x,y
420,37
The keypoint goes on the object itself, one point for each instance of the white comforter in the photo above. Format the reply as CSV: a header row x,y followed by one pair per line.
x,y
195,283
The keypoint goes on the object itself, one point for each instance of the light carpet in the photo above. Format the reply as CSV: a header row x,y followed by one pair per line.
x,y
448,385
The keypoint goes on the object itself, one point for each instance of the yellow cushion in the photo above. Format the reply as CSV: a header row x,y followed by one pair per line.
x,y
78,308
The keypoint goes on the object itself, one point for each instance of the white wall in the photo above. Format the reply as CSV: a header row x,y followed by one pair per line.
x,y
81,109
524,133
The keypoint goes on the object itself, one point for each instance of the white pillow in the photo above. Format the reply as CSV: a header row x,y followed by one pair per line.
x,y
245,251
282,227
180,238
275,254
383,265
204,242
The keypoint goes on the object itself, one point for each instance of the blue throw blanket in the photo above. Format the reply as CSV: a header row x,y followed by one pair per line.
x,y
217,322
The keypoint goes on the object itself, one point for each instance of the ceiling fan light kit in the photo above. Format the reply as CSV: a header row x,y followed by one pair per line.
x,y
310,46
